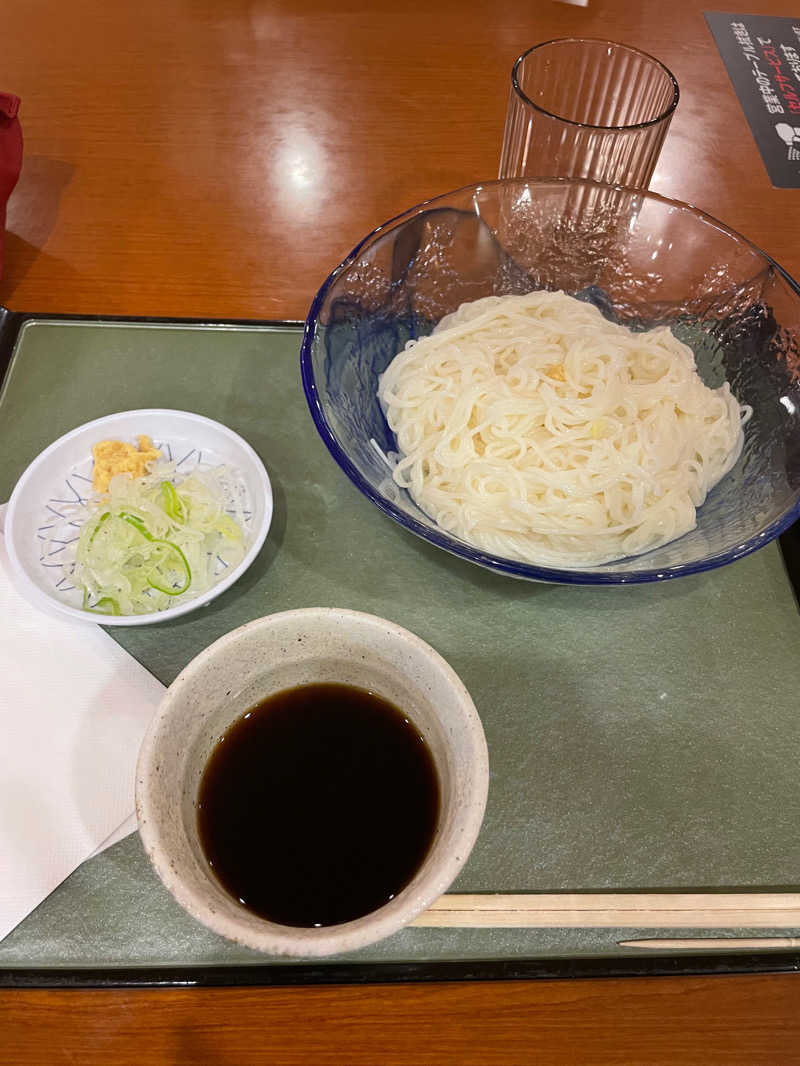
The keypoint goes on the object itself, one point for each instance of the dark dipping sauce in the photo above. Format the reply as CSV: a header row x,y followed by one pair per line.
x,y
319,805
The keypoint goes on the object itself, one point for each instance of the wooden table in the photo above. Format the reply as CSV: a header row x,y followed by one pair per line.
x,y
218,158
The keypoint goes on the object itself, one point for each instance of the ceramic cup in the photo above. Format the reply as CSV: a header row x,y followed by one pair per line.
x,y
281,651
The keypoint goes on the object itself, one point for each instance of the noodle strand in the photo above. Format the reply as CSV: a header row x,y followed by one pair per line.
x,y
533,428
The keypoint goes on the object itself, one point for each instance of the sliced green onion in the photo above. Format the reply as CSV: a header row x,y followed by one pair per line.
x,y
110,601
228,528
137,524
173,504
183,534
100,522
186,569
104,601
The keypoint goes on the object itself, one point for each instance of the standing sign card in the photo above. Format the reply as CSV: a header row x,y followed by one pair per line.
x,y
762,55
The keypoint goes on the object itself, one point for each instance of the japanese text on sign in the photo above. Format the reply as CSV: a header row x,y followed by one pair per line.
x,y
769,55
762,57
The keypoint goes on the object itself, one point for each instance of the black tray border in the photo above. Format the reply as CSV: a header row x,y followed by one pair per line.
x,y
282,975
685,964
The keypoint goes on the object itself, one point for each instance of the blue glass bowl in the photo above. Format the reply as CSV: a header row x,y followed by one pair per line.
x,y
644,261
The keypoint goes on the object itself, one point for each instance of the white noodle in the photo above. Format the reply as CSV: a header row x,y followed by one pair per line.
x,y
535,429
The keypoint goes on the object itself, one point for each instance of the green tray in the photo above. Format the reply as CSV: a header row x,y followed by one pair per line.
x,y
642,739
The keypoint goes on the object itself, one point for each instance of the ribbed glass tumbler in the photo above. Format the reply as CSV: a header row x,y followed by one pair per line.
x,y
584,108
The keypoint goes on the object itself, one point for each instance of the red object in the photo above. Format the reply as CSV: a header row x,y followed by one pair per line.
x,y
10,156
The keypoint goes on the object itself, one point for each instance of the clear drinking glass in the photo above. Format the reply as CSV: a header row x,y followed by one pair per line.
x,y
587,109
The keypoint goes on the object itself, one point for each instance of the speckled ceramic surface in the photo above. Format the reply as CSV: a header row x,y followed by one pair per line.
x,y
278,652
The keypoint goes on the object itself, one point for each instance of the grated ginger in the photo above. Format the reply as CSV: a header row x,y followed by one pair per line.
x,y
112,457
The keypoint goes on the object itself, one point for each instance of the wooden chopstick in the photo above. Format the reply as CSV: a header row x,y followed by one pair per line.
x,y
718,943
650,910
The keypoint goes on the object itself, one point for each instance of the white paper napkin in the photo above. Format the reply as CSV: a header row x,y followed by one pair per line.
x,y
74,707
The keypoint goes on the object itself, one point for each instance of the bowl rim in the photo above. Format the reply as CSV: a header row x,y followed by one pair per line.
x,y
629,127
48,603
280,939
462,550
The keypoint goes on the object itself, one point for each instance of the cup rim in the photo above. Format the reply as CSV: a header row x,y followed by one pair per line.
x,y
272,937
665,114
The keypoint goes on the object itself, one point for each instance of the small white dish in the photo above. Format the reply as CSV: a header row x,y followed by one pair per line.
x,y
61,476
281,651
